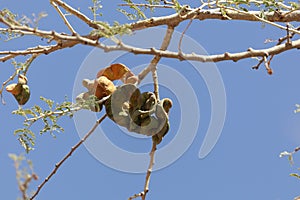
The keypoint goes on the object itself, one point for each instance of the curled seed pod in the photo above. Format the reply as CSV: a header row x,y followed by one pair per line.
x,y
12,88
114,71
104,87
20,90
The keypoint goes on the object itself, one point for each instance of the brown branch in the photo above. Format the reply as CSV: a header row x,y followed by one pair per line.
x,y
149,171
35,50
65,40
205,58
269,70
155,60
153,64
143,194
147,5
67,156
288,37
259,19
204,14
5,83
63,17
256,67
182,34
69,41
78,14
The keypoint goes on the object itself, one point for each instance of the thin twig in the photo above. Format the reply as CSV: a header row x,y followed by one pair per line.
x,y
28,62
269,70
148,175
288,33
149,171
58,113
182,34
168,2
288,37
145,5
5,83
153,64
260,19
78,14
256,67
70,41
67,156
136,195
63,17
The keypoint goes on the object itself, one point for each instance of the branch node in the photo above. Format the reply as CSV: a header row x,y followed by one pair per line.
x,y
227,55
267,65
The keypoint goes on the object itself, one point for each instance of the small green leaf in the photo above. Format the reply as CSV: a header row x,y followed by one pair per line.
x,y
295,175
49,102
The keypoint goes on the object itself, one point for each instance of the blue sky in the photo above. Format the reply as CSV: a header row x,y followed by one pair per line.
x,y
244,164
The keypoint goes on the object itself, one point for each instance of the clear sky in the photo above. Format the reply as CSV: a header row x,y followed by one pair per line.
x,y
244,163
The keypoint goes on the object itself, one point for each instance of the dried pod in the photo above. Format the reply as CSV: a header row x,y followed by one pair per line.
x,y
114,71
20,90
104,87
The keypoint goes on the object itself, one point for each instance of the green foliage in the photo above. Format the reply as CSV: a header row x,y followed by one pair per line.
x,y
290,158
10,18
297,108
48,116
295,5
135,14
153,2
110,31
262,6
177,5
295,175
95,8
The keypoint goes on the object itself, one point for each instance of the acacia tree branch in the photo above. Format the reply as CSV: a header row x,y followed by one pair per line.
x,y
64,40
147,5
153,64
203,14
63,17
69,41
78,14
67,156
250,53
260,19
143,194
149,171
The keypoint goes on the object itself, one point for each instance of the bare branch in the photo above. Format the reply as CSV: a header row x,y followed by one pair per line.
x,y
153,64
78,14
5,83
203,14
63,17
269,70
146,5
149,171
148,175
182,34
67,156
206,58
261,19
69,41
287,38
